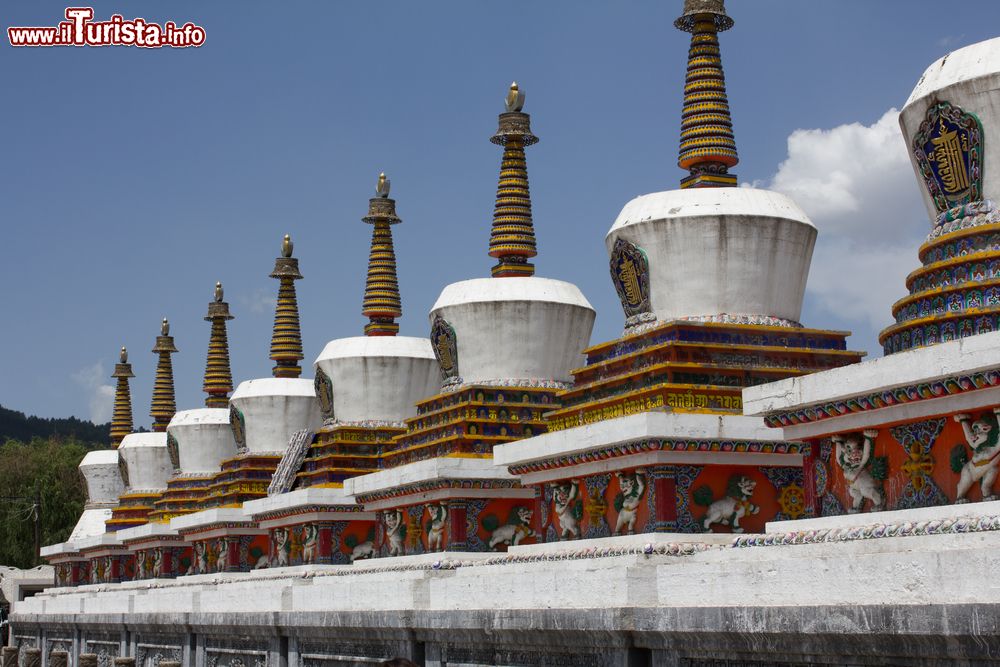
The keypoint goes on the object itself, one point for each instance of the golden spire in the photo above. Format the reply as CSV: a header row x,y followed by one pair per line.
x,y
121,420
218,376
708,147
512,239
286,342
381,304
164,405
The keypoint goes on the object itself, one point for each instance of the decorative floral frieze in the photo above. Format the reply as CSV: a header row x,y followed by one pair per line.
x,y
863,403
435,485
949,526
656,445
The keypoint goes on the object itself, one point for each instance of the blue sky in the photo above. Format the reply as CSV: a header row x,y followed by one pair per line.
x,y
133,179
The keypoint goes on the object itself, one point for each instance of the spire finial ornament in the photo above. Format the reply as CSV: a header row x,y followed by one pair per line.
x,y
286,341
218,375
381,304
164,404
707,147
382,187
512,239
515,98
121,419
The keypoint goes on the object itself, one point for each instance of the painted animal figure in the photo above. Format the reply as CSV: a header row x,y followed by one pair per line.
x,y
515,531
853,455
729,509
282,548
157,562
983,438
435,527
220,555
633,485
199,563
363,551
395,532
564,496
310,543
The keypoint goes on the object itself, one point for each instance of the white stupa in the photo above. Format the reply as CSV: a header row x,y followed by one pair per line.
x,y
498,341
377,378
104,484
946,123
366,387
267,411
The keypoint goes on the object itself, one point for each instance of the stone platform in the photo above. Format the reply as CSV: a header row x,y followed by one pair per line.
x,y
913,587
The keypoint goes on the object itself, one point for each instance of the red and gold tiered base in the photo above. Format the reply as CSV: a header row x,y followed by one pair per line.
x,y
343,451
470,422
690,366
133,510
183,495
242,478
956,293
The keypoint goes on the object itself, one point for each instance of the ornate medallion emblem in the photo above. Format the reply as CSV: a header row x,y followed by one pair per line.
x,y
173,452
324,392
445,348
630,273
123,470
948,147
238,425
792,501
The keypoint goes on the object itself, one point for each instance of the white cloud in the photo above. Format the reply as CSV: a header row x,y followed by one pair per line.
x,y
260,302
860,284
949,40
856,183
92,379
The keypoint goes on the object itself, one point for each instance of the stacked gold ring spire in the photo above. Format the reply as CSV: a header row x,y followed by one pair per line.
x,y
512,238
286,341
121,419
164,404
707,146
382,304
218,375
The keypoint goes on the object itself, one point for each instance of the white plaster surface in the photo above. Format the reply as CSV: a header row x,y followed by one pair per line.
x,y
61,548
720,250
970,79
621,541
104,482
892,517
379,377
298,498
91,522
425,471
210,517
14,582
95,541
146,531
916,570
273,409
922,365
516,328
148,463
667,425
204,439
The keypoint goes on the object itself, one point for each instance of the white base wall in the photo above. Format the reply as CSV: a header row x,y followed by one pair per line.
x,y
925,596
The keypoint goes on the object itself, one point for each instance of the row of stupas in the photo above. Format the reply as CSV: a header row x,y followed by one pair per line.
x,y
489,435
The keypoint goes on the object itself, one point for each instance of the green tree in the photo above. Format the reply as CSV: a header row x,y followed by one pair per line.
x,y
47,467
